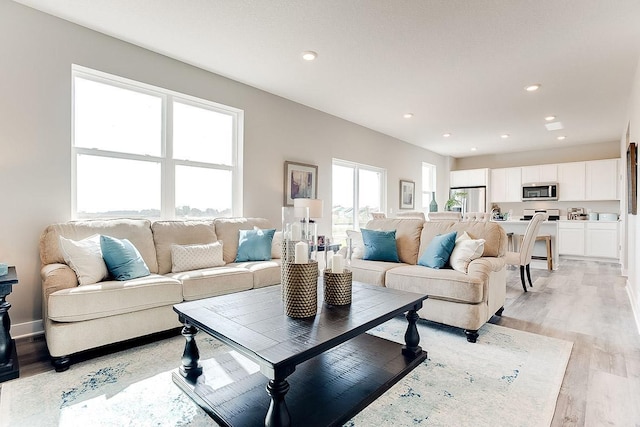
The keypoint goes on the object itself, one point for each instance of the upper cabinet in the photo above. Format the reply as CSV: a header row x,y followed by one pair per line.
x,y
571,182
602,180
539,173
469,178
506,185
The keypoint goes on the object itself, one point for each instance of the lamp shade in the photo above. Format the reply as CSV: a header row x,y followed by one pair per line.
x,y
315,207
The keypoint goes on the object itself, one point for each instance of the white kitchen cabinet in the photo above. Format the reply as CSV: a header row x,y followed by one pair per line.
x,y
469,178
571,238
571,181
601,181
602,239
539,174
506,185
588,238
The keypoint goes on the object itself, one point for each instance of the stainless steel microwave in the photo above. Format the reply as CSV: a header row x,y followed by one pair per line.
x,y
545,191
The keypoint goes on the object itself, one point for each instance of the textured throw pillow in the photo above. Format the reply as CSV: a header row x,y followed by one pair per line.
x,y
465,251
123,260
380,245
357,244
195,257
85,258
276,245
255,245
438,251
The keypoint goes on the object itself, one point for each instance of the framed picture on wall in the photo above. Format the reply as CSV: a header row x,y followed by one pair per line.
x,y
300,181
632,179
407,194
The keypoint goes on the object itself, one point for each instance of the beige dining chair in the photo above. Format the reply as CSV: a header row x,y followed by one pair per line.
x,y
476,216
523,257
444,216
411,214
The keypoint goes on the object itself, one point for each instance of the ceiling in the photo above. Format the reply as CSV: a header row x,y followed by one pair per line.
x,y
458,66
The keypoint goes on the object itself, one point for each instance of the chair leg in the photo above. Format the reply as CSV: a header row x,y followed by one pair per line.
x,y
524,286
528,276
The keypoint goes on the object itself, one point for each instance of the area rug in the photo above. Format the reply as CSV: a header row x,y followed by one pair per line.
x,y
508,377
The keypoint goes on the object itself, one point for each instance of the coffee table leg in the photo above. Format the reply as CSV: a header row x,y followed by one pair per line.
x,y
190,368
278,413
411,337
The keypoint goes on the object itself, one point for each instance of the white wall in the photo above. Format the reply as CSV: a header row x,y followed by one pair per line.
x,y
632,243
36,54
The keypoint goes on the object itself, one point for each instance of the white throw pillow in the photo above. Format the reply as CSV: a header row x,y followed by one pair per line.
x,y
357,244
276,245
85,258
195,257
465,251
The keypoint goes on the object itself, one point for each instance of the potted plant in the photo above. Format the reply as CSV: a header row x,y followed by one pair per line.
x,y
455,200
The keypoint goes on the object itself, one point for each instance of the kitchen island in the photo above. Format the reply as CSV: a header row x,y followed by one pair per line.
x,y
549,228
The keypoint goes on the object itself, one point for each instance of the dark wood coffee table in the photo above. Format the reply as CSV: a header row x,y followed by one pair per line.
x,y
321,371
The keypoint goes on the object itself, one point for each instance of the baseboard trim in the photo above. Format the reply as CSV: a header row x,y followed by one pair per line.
x,y
27,329
633,302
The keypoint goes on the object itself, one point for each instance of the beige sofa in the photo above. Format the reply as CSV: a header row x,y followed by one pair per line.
x,y
78,318
464,300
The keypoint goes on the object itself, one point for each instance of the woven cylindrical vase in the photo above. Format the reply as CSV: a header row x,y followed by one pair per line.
x,y
300,288
337,287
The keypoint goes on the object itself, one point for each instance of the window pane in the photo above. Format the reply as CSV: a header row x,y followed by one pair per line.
x,y
368,194
203,192
202,135
117,187
116,119
342,210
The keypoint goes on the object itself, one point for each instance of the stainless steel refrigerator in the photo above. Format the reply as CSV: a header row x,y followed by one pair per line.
x,y
468,199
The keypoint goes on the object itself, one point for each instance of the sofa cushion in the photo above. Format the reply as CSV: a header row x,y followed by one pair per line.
x,y
265,273
227,230
407,235
137,231
255,245
357,245
167,233
372,272
438,251
110,298
276,245
495,237
210,282
194,257
380,245
444,283
85,258
123,260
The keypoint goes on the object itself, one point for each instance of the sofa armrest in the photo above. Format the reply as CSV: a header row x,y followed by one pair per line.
x,y
490,263
56,277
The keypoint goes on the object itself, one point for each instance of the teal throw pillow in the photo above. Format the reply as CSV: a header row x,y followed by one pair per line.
x,y
439,250
255,245
380,245
123,260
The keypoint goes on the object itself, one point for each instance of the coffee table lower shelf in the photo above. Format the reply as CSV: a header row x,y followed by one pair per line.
x,y
327,390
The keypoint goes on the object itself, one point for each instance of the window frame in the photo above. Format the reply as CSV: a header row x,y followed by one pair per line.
x,y
165,159
426,193
356,188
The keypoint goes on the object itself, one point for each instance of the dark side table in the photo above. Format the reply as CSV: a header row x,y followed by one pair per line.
x,y
9,368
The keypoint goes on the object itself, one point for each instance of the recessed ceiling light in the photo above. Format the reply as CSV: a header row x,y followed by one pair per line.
x,y
550,118
407,115
561,137
473,148
504,136
533,88
446,135
309,55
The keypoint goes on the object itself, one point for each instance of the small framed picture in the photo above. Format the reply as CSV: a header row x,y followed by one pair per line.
x,y
320,240
407,194
300,181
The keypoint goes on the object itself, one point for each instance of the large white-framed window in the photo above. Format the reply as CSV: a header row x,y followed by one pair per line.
x,y
428,183
143,151
357,191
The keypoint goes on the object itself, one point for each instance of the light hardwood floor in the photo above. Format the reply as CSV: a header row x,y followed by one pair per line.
x,y
583,302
